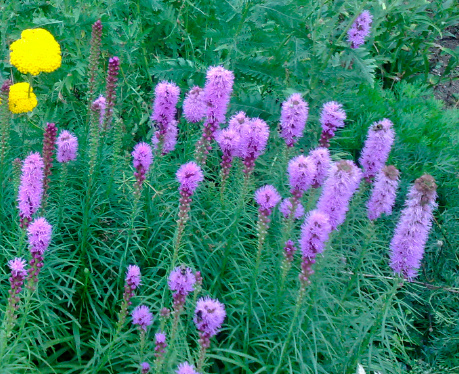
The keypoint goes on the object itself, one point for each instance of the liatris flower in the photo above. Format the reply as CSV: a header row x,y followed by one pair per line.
x,y
293,119
343,181
67,147
186,368
194,106
267,198
228,140
331,118
18,274
314,235
37,51
286,208
377,147
289,251
31,187
412,231
143,157
320,157
217,92
110,89
99,105
142,317
237,121
144,367
189,175
160,344
164,111
254,137
39,237
384,192
94,55
49,142
208,318
181,280
301,171
360,29
21,98
132,282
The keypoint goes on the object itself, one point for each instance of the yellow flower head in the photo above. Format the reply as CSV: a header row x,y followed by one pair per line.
x,y
37,51
20,99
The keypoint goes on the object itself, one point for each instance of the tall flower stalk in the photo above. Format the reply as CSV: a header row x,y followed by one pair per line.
x,y
49,142
132,282
39,237
228,140
94,58
194,105
384,192
360,29
412,231
142,318
294,115
331,118
217,93
320,157
208,318
110,89
189,176
377,148
142,159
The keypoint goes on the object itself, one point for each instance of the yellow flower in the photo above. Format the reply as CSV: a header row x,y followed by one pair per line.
x,y
37,51
20,99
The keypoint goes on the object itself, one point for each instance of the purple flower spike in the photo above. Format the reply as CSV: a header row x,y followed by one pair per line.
x,y
343,181
331,118
144,367
267,198
160,344
237,121
164,112
31,187
320,157
209,316
217,93
39,237
293,119
100,105
18,275
142,317
182,280
360,29
384,192
254,138
186,368
110,89
67,147
17,266
286,209
314,235
189,175
143,157
133,277
377,147
412,231
301,171
132,282
228,140
194,106
49,142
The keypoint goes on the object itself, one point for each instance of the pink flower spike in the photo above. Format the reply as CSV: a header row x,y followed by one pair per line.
x,y
267,197
67,147
189,175
142,317
301,171
194,107
186,368
209,315
384,192
293,119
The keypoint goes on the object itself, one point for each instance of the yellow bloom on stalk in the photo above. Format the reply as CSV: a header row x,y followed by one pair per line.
x,y
37,51
21,100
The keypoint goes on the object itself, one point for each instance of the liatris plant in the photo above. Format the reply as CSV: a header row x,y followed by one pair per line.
x,y
67,147
314,235
320,157
360,29
164,111
49,141
254,137
94,56
384,192
331,118
160,345
217,92
143,157
142,318
99,106
208,318
18,274
342,182
267,198
237,121
411,233
144,367
39,237
132,282
288,212
4,122
228,140
194,106
189,175
377,148
181,281
293,119
110,89
301,171
185,368
31,187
